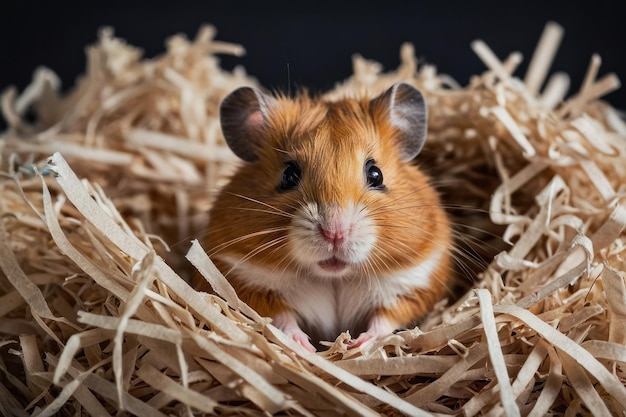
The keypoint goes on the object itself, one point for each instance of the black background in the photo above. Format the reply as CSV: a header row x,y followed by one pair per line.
x,y
317,39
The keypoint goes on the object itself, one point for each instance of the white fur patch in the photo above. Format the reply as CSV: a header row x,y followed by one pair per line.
x,y
309,247
332,306
255,275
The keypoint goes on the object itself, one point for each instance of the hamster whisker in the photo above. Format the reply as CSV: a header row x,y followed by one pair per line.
x,y
464,207
469,239
447,206
291,259
456,226
254,200
239,239
281,213
456,233
395,200
370,269
374,264
381,209
461,255
380,248
454,222
367,271
466,256
256,251
287,256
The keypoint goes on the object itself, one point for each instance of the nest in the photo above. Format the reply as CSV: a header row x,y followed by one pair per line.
x,y
97,246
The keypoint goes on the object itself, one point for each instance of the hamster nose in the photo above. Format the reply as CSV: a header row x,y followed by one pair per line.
x,y
334,236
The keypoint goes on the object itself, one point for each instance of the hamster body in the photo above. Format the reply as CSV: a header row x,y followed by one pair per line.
x,y
329,226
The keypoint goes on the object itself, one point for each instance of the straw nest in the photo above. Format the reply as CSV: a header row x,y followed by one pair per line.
x,y
103,191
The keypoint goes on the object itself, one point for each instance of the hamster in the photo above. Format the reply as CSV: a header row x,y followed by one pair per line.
x,y
329,226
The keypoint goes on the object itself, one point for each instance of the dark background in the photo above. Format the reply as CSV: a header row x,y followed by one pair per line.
x,y
316,39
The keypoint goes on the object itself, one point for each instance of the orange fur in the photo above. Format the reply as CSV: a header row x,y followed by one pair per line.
x,y
412,307
330,141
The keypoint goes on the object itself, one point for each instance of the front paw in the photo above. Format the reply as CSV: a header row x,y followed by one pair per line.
x,y
378,327
286,321
302,339
361,340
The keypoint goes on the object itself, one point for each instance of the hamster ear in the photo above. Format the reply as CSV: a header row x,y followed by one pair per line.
x,y
405,107
243,115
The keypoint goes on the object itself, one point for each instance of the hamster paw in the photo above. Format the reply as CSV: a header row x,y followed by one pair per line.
x,y
286,321
302,339
379,327
361,340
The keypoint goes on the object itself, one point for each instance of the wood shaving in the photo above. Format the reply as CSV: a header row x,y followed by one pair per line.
x,y
103,194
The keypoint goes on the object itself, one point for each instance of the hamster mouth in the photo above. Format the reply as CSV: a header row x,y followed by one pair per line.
x,y
333,264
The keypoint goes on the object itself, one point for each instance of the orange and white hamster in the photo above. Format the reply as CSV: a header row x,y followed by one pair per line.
x,y
329,226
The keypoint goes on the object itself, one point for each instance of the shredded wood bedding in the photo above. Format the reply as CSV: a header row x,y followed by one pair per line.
x,y
103,195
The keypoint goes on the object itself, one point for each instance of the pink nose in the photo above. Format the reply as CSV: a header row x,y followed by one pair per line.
x,y
335,237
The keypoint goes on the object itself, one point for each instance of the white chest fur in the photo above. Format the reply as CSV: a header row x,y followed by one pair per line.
x,y
329,306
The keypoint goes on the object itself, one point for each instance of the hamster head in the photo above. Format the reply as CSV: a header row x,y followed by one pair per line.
x,y
328,189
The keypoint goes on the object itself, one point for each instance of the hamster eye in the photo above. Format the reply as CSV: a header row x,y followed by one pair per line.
x,y
291,176
374,175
